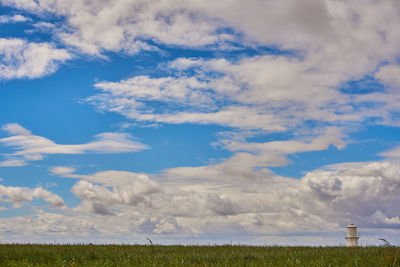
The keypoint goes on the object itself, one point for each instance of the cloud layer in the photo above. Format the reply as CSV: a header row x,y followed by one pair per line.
x,y
272,93
324,200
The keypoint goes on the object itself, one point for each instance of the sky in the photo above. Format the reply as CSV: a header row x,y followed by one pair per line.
x,y
199,122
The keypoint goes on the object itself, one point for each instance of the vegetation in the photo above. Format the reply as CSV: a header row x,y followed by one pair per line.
x,y
155,255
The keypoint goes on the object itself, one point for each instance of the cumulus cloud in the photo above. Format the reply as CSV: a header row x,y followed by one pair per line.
x,y
333,197
19,195
99,198
32,147
109,189
324,200
22,59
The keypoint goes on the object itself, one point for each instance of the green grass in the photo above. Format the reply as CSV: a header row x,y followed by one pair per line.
x,y
139,255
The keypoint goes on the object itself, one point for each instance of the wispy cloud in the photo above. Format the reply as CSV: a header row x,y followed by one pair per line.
x,y
30,147
249,157
273,93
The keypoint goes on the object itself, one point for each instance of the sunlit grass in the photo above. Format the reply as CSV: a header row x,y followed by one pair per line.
x,y
155,255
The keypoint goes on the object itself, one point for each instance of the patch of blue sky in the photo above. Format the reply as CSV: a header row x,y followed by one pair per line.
x,y
14,212
57,97
261,137
366,85
28,29
37,174
40,204
239,47
20,176
14,30
170,146
55,112
26,209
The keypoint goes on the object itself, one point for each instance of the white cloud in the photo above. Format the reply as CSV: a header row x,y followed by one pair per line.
x,y
22,4
333,135
322,201
128,188
19,195
324,27
32,147
22,59
264,92
250,156
121,25
98,199
107,178
116,25
15,129
13,163
234,116
13,19
60,170
167,89
273,93
390,75
47,196
328,43
393,153
134,228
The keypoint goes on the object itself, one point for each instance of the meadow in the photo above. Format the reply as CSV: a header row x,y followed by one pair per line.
x,y
227,255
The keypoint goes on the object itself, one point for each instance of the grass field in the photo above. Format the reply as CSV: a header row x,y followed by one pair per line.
x,y
141,255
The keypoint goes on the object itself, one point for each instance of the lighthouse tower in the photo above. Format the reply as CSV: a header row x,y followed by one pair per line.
x,y
352,236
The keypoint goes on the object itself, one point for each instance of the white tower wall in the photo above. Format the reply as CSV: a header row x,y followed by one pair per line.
x,y
352,236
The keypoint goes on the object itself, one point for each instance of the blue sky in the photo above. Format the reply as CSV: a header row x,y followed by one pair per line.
x,y
197,122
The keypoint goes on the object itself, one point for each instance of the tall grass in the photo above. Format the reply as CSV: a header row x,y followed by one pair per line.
x,y
155,255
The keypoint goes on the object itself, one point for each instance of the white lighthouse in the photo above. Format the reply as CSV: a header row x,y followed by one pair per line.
x,y
352,236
